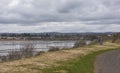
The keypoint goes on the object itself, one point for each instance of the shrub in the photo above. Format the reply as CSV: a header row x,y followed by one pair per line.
x,y
26,51
39,53
80,43
54,49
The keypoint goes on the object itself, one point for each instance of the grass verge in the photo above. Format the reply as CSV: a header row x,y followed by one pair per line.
x,y
84,64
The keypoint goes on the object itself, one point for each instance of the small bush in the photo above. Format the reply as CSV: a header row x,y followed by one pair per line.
x,y
54,49
39,53
27,50
80,44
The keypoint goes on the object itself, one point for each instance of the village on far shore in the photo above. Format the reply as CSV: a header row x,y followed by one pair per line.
x,y
53,36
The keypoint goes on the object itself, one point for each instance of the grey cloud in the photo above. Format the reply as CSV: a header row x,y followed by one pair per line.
x,y
35,11
59,27
69,6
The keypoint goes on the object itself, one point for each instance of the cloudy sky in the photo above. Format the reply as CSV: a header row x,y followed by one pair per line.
x,y
59,16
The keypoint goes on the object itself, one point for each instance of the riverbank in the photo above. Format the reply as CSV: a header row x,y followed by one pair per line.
x,y
54,62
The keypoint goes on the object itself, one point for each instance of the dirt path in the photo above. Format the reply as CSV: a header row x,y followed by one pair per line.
x,y
108,62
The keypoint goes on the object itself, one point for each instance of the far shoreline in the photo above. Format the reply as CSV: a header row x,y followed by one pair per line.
x,y
38,40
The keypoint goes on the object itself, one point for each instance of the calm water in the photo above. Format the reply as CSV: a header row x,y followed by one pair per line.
x,y
6,46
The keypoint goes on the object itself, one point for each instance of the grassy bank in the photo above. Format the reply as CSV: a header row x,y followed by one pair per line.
x,y
83,64
77,60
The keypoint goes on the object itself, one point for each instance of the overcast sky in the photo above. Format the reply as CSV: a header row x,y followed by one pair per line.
x,y
59,16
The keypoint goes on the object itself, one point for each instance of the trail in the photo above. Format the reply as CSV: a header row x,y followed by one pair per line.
x,y
108,62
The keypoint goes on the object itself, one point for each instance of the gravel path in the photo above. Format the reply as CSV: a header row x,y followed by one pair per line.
x,y
108,62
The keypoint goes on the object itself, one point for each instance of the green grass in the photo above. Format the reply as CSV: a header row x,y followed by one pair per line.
x,y
83,64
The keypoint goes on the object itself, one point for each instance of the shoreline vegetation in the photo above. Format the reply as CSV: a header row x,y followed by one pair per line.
x,y
62,61
27,50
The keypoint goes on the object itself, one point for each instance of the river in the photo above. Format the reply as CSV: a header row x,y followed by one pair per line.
x,y
7,46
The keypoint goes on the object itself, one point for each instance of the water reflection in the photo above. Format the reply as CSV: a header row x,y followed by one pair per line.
x,y
7,46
